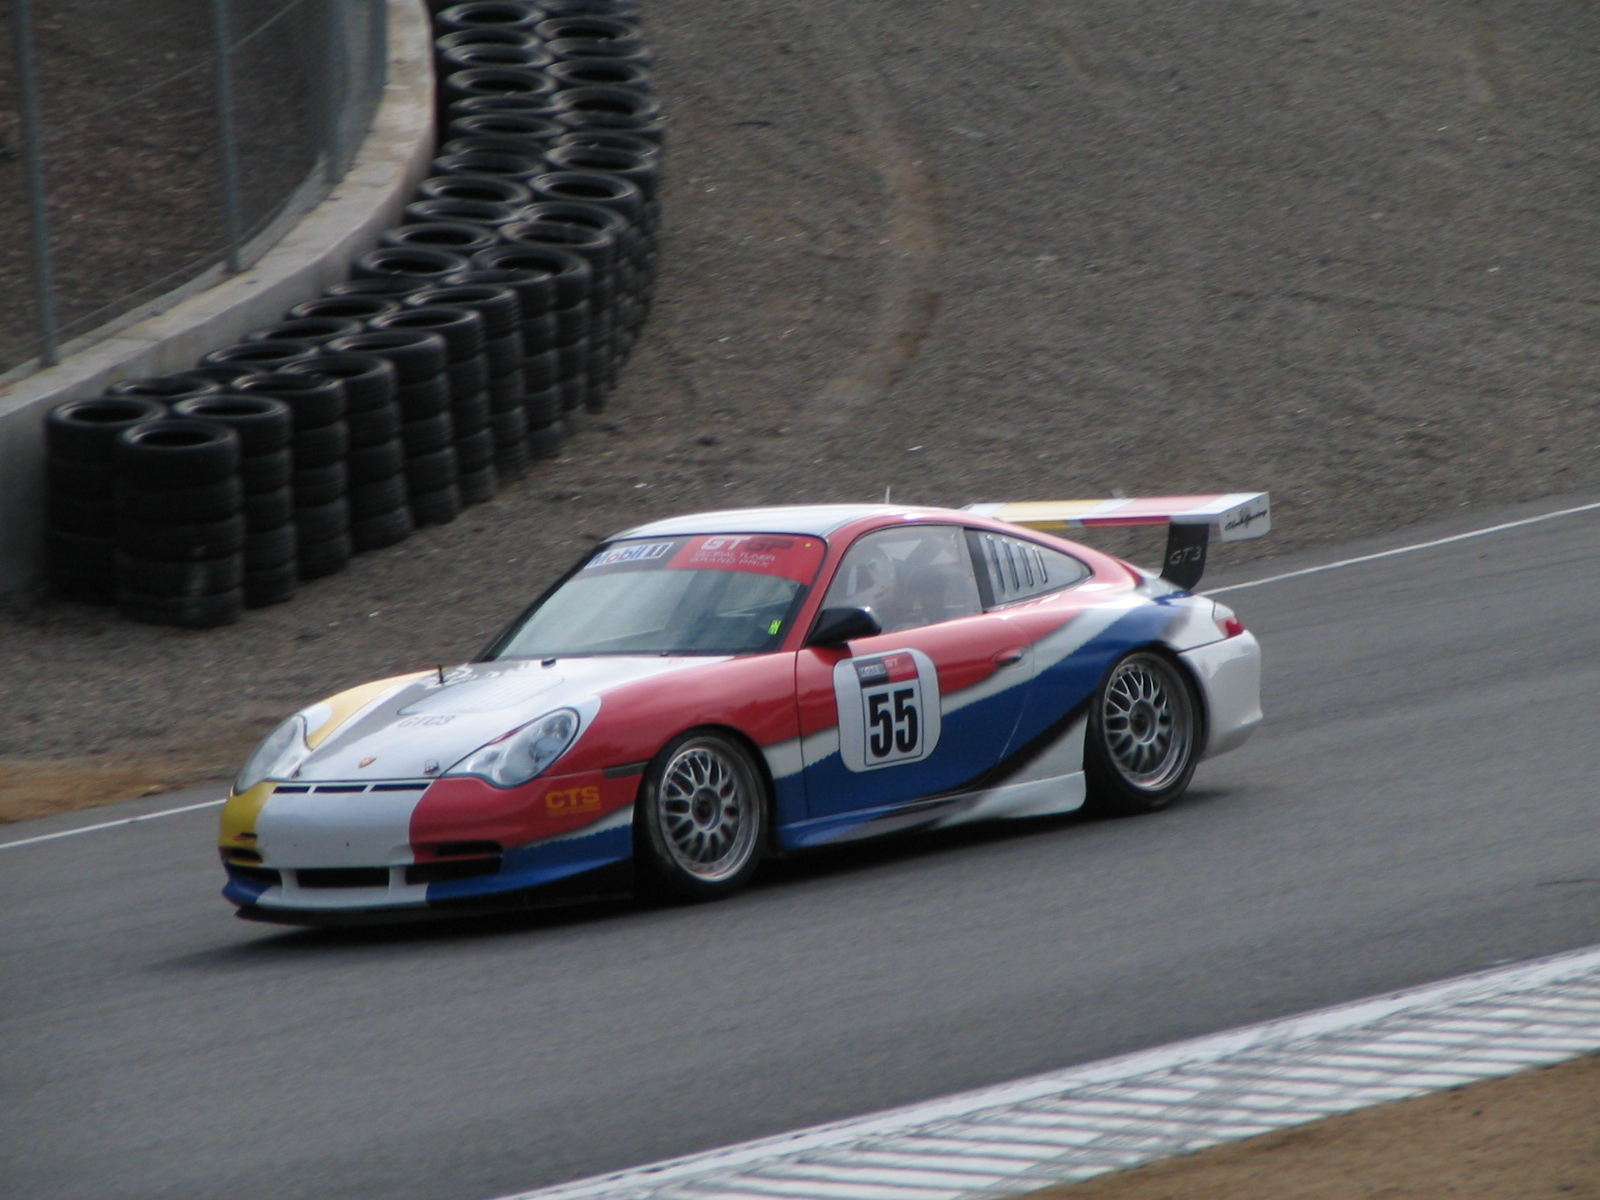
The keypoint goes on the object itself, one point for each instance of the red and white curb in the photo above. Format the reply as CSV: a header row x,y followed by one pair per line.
x,y
1074,1124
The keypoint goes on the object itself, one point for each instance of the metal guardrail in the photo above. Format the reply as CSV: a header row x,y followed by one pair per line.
x,y
149,145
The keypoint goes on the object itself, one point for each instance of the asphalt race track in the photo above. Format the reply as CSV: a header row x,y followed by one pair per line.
x,y
1421,803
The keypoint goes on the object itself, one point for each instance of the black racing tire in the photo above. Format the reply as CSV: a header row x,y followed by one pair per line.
x,y
535,290
429,398
260,356
496,81
369,380
322,522
507,392
373,463
496,304
177,452
468,376
320,485
314,401
610,139
189,612
73,514
641,170
384,529
429,473
470,415
573,324
180,505
601,72
80,480
356,308
547,442
509,429
593,188
475,451
268,510
414,264
589,27
574,390
461,328
540,371
271,548
479,486
315,330
455,237
326,557
264,424
389,287
485,213
166,389
1145,733
599,247
474,55
511,462
428,436
700,823
570,274
481,14
418,355
86,431
270,585
324,446
438,507
540,334
267,472
179,543
486,189
505,353
373,427
194,577
516,167
378,497
652,129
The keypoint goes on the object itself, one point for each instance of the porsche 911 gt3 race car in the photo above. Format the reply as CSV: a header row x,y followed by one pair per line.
x,y
703,691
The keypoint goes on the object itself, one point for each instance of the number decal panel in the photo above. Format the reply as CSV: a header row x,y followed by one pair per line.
x,y
888,709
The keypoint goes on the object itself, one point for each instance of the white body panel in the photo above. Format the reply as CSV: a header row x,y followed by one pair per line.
x,y
1230,676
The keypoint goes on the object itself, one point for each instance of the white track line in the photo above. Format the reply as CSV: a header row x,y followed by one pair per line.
x,y
1365,558
166,812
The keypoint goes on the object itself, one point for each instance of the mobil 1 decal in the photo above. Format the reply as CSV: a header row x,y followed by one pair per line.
x,y
888,709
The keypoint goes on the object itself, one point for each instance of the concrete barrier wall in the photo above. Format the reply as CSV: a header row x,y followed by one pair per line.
x,y
315,253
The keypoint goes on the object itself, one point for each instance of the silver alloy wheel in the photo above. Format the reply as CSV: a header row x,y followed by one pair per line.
x,y
709,810
1148,721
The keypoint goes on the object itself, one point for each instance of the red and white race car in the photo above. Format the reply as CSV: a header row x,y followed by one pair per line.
x,y
703,691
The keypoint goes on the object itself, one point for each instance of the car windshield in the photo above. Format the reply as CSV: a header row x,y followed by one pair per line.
x,y
716,594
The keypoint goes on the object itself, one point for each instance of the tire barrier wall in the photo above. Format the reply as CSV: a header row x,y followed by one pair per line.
x,y
470,342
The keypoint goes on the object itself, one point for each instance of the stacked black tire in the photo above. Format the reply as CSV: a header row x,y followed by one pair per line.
x,y
475,338
266,468
81,520
180,523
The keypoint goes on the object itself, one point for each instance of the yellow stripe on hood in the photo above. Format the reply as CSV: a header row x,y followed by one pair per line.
x,y
345,705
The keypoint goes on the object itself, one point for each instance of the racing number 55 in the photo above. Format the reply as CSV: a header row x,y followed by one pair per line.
x,y
897,730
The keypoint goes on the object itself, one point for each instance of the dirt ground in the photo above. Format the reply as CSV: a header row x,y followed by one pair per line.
x,y
1016,249
1519,1138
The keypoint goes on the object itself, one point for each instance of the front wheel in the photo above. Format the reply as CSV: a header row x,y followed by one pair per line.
x,y
1143,738
701,819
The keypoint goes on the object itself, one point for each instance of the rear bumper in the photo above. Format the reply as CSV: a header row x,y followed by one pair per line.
x,y
1229,673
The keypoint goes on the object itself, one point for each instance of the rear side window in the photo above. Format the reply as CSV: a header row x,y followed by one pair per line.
x,y
1013,569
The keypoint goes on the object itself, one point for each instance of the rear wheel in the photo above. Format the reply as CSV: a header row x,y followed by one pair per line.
x,y
701,821
1143,738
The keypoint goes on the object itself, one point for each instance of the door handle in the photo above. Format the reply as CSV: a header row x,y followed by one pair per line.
x,y
1009,658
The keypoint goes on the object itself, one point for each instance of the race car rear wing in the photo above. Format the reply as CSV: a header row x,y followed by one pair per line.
x,y
1191,521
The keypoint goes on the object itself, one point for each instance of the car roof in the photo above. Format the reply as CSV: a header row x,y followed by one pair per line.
x,y
817,520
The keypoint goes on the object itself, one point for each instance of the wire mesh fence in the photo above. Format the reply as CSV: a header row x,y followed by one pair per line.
x,y
144,143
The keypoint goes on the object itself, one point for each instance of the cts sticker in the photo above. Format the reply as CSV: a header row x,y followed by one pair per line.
x,y
888,709
572,800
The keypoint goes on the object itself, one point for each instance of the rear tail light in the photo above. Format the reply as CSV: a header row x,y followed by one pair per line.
x,y
1232,626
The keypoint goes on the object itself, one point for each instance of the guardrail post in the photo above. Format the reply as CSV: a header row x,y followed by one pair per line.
x,y
38,202
221,37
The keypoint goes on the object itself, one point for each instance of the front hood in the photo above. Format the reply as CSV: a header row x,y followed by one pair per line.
x,y
421,727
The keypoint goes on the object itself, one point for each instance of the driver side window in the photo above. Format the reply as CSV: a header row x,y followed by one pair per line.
x,y
909,576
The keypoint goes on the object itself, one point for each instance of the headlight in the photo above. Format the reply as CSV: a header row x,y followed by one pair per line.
x,y
517,757
278,757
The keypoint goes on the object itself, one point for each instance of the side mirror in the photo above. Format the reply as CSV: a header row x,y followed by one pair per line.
x,y
836,626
